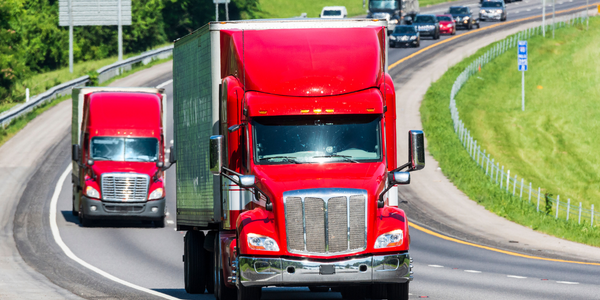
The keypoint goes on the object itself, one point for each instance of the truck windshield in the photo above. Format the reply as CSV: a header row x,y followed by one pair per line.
x,y
124,149
317,139
383,4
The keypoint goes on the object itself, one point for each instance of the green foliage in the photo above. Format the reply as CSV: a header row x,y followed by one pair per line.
x,y
93,78
457,165
12,63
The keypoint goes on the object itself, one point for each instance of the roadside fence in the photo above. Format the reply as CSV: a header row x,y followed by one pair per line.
x,y
512,184
104,74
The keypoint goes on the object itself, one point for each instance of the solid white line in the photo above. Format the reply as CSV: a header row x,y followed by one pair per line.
x,y
162,85
71,255
436,266
567,282
515,276
472,271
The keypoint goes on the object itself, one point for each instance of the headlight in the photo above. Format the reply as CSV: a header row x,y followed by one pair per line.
x,y
92,192
393,38
482,11
466,18
450,25
157,194
261,242
390,239
393,21
499,11
414,37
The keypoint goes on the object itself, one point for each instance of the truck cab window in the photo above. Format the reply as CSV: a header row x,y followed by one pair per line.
x,y
124,149
317,139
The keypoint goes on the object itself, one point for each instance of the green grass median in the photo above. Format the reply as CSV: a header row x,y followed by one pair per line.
x,y
553,144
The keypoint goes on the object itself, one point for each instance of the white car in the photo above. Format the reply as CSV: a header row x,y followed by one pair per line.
x,y
335,12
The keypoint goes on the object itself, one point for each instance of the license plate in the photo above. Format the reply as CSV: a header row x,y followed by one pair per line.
x,y
327,270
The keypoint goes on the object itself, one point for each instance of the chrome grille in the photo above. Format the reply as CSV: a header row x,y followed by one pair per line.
x,y
326,221
124,187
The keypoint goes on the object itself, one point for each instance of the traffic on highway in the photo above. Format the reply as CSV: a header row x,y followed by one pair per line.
x,y
267,161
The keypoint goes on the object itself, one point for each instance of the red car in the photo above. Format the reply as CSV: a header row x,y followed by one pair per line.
x,y
447,24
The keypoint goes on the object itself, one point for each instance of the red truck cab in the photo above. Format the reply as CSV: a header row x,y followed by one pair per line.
x,y
304,147
118,154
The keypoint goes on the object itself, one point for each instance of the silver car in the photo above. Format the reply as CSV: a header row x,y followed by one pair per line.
x,y
493,10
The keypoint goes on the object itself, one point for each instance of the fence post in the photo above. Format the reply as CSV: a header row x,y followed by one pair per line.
x,y
487,165
530,192
507,180
521,193
557,205
502,177
497,171
514,185
568,208
579,222
538,202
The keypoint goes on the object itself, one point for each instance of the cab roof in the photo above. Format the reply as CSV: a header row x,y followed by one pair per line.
x,y
125,111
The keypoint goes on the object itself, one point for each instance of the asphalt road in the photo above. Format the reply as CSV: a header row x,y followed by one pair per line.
x,y
151,257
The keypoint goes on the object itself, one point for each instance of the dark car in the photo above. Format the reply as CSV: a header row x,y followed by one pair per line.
x,y
427,25
463,17
492,10
405,36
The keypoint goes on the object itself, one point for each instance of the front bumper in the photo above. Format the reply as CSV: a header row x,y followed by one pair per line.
x,y
490,17
427,32
257,271
122,210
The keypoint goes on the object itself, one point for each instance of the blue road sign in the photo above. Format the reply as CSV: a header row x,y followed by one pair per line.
x,y
522,46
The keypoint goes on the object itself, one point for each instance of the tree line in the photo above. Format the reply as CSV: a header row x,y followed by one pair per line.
x,y
32,42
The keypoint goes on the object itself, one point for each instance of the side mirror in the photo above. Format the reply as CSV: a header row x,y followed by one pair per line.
x,y
217,154
90,162
172,157
399,178
75,152
416,154
247,181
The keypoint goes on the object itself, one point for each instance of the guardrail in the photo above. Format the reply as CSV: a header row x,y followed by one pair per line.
x,y
104,74
492,168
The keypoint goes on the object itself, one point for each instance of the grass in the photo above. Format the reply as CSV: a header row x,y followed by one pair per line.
x,y
467,176
19,123
288,9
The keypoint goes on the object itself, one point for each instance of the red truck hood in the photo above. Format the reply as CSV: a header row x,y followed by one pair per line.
x,y
101,167
278,179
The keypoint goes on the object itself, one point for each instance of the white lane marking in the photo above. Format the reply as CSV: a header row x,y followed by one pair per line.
x,y
170,222
436,266
515,276
472,271
162,85
567,282
71,255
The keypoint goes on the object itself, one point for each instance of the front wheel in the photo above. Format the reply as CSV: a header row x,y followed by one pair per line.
x,y
397,291
248,293
194,263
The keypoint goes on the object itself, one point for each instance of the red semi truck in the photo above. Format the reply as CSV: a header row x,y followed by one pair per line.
x,y
285,136
118,137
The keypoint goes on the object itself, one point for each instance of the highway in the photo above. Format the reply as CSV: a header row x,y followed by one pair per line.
x,y
151,258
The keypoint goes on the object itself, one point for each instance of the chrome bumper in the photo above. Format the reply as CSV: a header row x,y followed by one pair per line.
x,y
256,271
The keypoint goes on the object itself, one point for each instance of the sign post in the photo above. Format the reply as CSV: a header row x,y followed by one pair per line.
x,y
522,58
94,13
217,2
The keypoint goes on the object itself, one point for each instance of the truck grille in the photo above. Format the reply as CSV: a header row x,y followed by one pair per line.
x,y
124,187
326,221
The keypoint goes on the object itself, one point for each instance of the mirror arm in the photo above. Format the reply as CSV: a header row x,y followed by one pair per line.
x,y
402,167
380,201
268,205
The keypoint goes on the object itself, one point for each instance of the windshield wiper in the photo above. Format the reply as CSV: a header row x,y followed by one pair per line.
x,y
286,158
345,157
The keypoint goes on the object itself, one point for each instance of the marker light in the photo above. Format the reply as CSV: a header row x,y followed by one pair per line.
x,y
390,239
329,110
92,192
261,242
317,110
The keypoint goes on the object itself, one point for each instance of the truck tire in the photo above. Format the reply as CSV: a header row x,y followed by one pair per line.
x,y
248,293
397,291
221,291
210,279
83,221
318,289
159,223
75,194
354,292
194,262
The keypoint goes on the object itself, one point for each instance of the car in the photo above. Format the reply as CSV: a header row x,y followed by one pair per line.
x,y
493,10
463,17
447,24
427,25
405,36
334,12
